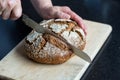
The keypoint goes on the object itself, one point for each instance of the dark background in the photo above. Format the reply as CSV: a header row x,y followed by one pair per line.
x,y
106,65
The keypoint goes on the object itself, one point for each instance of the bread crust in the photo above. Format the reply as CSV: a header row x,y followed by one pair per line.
x,y
47,49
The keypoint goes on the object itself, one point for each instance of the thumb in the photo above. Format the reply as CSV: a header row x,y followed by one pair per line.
x,y
62,15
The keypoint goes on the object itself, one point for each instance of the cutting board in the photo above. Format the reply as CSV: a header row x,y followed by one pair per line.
x,y
17,66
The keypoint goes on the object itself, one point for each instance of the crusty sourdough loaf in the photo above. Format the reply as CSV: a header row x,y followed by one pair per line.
x,y
45,48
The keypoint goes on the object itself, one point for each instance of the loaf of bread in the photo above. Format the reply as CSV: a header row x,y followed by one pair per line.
x,y
47,49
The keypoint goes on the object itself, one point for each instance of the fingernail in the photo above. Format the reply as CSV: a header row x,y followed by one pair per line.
x,y
66,16
85,32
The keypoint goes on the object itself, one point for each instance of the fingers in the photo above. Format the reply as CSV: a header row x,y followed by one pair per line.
x,y
16,12
61,15
75,17
79,20
54,12
2,6
10,9
7,11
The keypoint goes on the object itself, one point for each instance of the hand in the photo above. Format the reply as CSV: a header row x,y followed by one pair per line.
x,y
10,9
62,12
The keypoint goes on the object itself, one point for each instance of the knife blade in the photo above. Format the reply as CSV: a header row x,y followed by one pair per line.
x,y
34,25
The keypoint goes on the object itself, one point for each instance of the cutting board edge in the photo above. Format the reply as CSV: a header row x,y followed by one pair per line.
x,y
78,76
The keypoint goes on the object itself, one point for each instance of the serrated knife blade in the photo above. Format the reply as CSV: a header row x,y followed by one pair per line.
x,y
34,25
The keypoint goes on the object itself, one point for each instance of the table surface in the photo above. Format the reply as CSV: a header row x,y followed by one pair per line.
x,y
106,64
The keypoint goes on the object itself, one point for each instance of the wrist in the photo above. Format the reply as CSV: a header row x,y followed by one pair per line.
x,y
43,7
42,4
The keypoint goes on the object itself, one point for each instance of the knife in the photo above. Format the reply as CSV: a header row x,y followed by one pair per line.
x,y
31,23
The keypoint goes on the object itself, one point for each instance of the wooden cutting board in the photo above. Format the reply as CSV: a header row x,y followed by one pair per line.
x,y
17,66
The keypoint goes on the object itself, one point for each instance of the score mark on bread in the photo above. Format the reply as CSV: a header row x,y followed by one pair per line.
x,y
45,48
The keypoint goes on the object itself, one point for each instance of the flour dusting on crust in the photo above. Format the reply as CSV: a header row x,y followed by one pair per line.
x,y
53,50
41,49
57,28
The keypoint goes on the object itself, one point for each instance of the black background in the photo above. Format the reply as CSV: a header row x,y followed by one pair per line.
x,y
106,65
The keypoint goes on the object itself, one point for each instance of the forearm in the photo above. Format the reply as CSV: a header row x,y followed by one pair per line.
x,y
41,4
47,11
